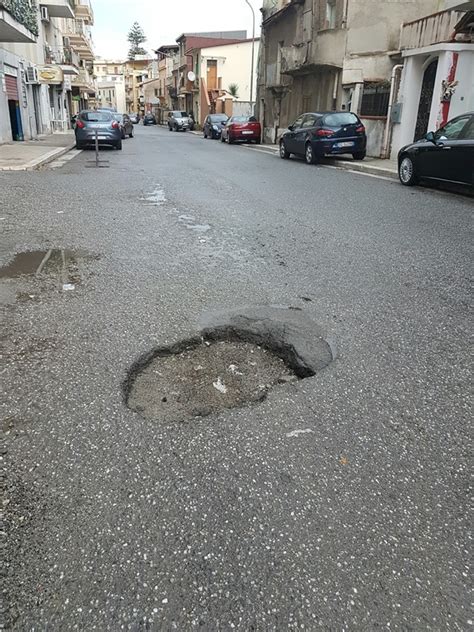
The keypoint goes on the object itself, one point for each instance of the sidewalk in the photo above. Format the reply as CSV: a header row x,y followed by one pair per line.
x,y
372,166
32,154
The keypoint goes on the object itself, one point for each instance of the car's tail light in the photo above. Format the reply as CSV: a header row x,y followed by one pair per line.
x,y
324,133
80,124
360,129
115,125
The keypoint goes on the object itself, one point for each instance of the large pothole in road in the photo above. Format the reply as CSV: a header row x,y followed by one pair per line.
x,y
235,362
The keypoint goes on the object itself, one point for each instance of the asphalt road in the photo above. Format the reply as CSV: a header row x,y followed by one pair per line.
x,y
236,522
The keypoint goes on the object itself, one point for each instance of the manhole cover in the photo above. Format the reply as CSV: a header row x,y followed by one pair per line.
x,y
205,378
234,363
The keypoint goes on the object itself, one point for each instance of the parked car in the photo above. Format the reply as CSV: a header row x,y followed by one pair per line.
x,y
178,121
316,134
149,119
213,124
126,125
135,118
241,128
90,121
446,155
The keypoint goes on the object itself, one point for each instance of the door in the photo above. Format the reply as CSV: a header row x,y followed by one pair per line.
x,y
14,107
426,99
212,74
303,132
444,160
290,138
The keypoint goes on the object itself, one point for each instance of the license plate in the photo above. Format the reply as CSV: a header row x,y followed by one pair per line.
x,y
348,144
247,132
99,137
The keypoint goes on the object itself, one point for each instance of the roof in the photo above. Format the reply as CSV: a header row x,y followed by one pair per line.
x,y
166,47
215,35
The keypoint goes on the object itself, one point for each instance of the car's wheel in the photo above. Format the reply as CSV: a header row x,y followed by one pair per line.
x,y
123,135
230,140
170,128
283,152
359,155
131,134
309,154
118,145
175,128
205,134
222,139
406,172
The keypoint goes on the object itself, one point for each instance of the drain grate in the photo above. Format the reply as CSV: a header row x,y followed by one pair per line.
x,y
205,377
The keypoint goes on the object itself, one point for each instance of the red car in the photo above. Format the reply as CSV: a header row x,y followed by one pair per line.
x,y
241,128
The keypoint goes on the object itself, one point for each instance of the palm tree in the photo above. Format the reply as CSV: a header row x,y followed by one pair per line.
x,y
233,90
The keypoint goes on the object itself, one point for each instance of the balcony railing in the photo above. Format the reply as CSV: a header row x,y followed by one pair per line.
x,y
433,29
64,56
23,12
84,10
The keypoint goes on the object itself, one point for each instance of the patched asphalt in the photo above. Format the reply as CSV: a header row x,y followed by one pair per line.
x,y
339,502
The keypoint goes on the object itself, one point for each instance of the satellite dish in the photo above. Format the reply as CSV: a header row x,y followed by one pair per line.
x,y
191,76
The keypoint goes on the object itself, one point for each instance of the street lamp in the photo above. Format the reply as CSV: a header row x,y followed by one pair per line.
x,y
253,55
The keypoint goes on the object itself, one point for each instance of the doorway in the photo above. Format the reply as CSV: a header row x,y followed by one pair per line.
x,y
15,119
212,74
426,99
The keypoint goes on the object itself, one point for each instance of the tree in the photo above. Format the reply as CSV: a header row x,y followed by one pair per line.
x,y
136,37
233,90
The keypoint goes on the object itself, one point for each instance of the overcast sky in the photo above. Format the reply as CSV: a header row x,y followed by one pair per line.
x,y
164,20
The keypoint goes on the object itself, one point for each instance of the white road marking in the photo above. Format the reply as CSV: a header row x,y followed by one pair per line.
x,y
295,433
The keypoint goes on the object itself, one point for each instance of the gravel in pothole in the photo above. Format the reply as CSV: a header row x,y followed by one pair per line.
x,y
205,379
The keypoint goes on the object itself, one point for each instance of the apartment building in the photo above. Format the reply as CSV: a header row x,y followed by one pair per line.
x,y
329,54
110,77
136,72
45,65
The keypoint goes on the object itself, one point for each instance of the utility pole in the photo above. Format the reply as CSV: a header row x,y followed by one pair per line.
x,y
253,56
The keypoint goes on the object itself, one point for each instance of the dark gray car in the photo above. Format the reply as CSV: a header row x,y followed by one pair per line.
x,y
178,121
91,121
126,125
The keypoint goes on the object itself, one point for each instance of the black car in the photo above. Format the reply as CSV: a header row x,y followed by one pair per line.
x,y
149,119
446,155
316,134
126,125
213,124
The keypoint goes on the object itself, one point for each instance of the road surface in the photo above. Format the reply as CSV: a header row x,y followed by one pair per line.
x,y
235,521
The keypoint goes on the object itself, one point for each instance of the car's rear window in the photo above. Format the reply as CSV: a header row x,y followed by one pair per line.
x,y
180,114
240,119
340,118
216,118
96,117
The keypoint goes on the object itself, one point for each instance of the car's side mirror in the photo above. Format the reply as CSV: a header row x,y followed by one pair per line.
x,y
430,137
291,128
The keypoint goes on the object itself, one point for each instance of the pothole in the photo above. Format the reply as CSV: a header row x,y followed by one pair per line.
x,y
232,364
205,378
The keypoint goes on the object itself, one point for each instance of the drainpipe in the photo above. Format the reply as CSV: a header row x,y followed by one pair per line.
x,y
344,14
388,126
334,92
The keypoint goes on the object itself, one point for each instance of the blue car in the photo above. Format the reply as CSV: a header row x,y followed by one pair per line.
x,y
317,134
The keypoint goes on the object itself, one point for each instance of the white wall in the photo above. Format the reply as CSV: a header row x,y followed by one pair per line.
x,y
233,65
410,88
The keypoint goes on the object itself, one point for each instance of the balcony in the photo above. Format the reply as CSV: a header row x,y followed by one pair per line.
x,y
433,29
59,8
84,80
83,10
65,57
79,35
326,51
17,23
293,58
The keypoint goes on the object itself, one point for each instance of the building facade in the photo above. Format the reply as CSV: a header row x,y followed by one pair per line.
x,y
45,66
331,54
218,68
437,77
110,77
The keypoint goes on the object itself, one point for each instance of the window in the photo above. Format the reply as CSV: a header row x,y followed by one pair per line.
x,y
156,92
340,118
330,14
299,121
468,131
309,121
104,69
375,99
453,129
116,70
306,103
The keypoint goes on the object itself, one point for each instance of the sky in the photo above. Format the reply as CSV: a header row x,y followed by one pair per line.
x,y
164,20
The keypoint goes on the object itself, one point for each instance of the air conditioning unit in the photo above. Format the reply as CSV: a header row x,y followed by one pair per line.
x,y
44,14
31,74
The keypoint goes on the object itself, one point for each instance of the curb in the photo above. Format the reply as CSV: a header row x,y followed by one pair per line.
x,y
347,165
42,160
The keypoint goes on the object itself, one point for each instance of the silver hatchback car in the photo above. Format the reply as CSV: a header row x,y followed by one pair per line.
x,y
178,121
107,127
